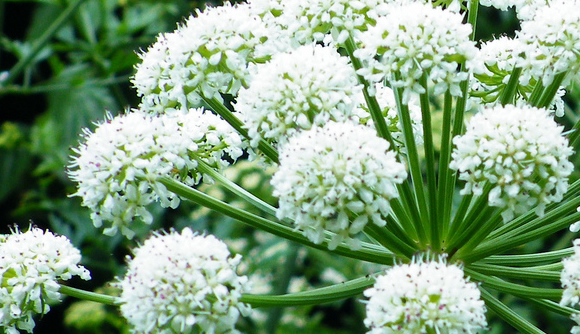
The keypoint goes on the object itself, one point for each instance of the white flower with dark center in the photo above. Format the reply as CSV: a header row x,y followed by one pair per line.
x,y
493,66
118,165
336,178
415,39
570,279
520,151
31,265
183,283
296,91
208,55
552,39
424,296
386,100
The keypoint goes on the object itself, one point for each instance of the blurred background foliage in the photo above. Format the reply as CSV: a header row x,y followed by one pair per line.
x,y
63,63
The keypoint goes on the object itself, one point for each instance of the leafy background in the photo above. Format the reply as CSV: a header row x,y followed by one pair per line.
x,y
82,70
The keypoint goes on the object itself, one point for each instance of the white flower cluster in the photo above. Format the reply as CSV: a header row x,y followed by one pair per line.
x,y
31,264
183,283
322,20
117,166
414,39
297,90
493,66
570,278
520,151
386,100
424,296
206,56
553,41
336,178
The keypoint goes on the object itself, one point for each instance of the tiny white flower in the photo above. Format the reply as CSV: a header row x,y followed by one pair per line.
x,y
118,165
520,151
183,283
424,296
31,265
336,178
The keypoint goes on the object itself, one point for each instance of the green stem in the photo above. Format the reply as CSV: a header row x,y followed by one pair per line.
x,y
313,297
445,195
534,98
236,189
367,253
509,315
41,41
414,163
474,236
529,259
515,272
538,228
218,107
88,295
512,288
551,90
509,93
388,240
551,306
372,104
429,164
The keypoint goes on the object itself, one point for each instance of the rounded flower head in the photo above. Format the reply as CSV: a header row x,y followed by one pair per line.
x,y
424,297
118,165
183,283
31,264
520,151
322,20
553,41
206,56
336,178
298,90
415,39
493,66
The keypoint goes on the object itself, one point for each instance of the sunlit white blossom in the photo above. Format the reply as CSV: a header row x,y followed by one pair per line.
x,y
336,178
552,40
415,39
206,56
297,90
31,265
183,283
424,296
520,152
117,166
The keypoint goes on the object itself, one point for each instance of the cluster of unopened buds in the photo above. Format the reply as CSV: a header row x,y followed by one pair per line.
x,y
339,98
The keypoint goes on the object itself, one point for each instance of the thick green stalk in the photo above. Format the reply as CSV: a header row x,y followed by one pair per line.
x,y
511,240
485,224
512,288
551,90
509,315
516,272
372,104
219,108
312,297
551,306
38,44
430,164
445,196
388,240
529,259
414,164
509,93
367,253
88,295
